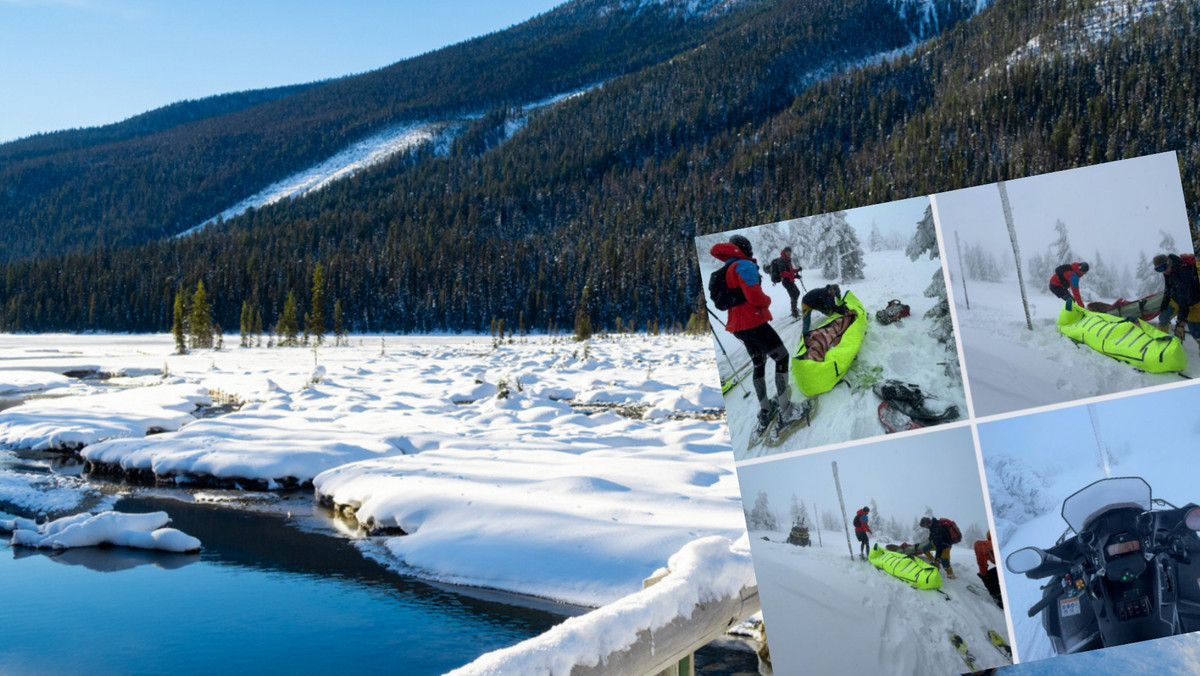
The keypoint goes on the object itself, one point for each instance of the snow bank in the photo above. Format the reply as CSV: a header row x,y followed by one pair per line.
x,y
525,493
703,570
42,494
77,421
20,382
139,531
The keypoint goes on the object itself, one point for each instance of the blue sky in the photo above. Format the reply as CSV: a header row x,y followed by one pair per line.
x,y
81,63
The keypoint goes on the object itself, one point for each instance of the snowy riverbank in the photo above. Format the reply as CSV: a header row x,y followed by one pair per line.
x,y
525,493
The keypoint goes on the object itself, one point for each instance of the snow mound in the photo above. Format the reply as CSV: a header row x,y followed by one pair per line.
x,y
139,531
76,421
703,570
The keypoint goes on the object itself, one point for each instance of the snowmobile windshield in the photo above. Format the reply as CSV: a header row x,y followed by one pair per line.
x,y
1102,496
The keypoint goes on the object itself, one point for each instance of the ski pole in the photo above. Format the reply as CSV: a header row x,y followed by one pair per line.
x,y
722,346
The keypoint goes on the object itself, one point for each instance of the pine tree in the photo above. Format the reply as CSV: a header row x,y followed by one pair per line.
x,y
200,319
179,324
245,324
288,325
339,328
924,241
761,518
257,326
314,320
583,322
838,250
875,242
1060,248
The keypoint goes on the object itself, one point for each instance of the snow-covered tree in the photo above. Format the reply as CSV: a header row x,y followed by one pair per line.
x,y
1041,267
761,517
1060,248
1102,279
1148,281
980,264
923,241
836,248
973,533
1017,493
829,521
875,242
799,512
1167,244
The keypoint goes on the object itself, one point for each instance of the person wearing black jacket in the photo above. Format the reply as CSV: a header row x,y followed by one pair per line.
x,y
785,270
826,299
1181,294
939,542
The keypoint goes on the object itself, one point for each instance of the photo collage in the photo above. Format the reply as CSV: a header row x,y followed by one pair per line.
x,y
962,423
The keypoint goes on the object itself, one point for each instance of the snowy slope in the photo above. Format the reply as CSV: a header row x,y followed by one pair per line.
x,y
1010,367
1104,20
826,614
365,153
903,350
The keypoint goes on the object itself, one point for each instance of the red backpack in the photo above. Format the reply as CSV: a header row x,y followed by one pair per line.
x,y
952,530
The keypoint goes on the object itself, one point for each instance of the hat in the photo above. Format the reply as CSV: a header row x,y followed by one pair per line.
x,y
925,522
1084,267
1161,262
866,509
743,244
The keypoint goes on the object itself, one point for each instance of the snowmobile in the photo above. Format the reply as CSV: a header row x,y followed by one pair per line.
x,y
907,407
1125,569
799,536
894,312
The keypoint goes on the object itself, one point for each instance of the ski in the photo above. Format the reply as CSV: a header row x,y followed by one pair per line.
x,y
1000,644
961,646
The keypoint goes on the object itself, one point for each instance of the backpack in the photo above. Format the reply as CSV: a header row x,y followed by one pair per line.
x,y
1061,272
951,530
1188,259
719,292
857,520
775,270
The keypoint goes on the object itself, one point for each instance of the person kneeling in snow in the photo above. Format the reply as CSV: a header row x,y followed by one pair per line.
x,y
1181,294
826,299
748,317
1065,282
941,536
985,556
861,531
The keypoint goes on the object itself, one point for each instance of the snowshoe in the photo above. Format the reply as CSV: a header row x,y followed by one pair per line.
x,y
765,418
894,420
894,312
912,401
796,417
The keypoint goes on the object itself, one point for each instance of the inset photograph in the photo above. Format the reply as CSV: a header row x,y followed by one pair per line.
x,y
832,328
1175,656
1096,521
877,559
1073,284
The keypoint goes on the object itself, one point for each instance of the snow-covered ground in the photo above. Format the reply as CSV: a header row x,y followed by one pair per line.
x,y
1035,462
827,614
1010,367
524,493
903,350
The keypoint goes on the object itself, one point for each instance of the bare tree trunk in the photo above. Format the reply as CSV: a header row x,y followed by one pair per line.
x,y
845,523
1012,234
962,270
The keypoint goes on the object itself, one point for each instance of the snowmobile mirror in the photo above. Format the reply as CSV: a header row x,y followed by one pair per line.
x,y
1192,519
1025,559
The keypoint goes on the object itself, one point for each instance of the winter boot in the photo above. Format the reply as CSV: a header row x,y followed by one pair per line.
x,y
765,416
949,572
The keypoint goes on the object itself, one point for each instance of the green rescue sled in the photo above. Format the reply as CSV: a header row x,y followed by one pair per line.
x,y
1132,341
825,354
912,570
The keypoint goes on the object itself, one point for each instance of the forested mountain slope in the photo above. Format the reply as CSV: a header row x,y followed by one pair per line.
x,y
761,121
